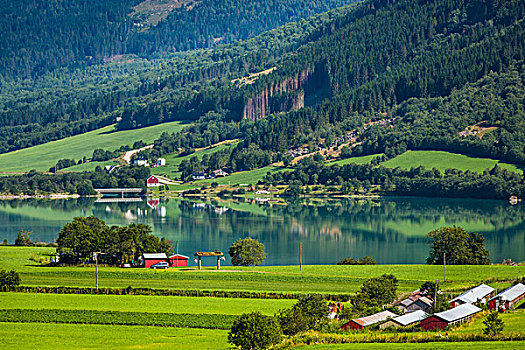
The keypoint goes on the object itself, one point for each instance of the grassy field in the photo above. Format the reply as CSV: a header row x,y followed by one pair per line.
x,y
320,279
44,156
78,336
140,303
355,160
444,160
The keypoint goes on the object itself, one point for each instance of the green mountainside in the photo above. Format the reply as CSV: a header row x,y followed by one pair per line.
x,y
381,77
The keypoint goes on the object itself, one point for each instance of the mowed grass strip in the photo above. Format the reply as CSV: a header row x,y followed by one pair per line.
x,y
210,321
140,303
49,336
445,160
42,157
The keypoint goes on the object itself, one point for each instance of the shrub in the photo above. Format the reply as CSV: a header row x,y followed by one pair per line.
x,y
9,280
254,331
493,324
366,260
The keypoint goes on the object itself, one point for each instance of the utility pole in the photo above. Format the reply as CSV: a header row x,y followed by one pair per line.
x,y
435,295
444,267
95,254
177,253
300,256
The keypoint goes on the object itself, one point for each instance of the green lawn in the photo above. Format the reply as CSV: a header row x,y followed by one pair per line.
x,y
80,336
141,303
445,160
90,166
44,156
315,278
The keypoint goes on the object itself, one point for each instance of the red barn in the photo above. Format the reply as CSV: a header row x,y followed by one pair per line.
x,y
151,259
360,323
508,298
178,260
152,181
450,317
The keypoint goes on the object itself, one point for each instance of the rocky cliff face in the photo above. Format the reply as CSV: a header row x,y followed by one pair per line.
x,y
286,95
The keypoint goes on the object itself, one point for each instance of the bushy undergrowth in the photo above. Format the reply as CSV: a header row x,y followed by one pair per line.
x,y
211,321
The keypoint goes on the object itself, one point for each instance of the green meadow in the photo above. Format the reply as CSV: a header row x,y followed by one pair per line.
x,y
312,279
445,160
141,303
43,157
356,160
86,336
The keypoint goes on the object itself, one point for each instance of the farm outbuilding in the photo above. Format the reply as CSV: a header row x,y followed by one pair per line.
x,y
508,298
151,259
405,320
450,317
479,294
361,323
178,260
152,181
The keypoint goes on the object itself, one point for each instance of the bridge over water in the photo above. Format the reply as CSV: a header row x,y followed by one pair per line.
x,y
120,191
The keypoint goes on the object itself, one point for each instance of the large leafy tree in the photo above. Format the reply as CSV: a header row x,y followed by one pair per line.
x,y
458,246
254,331
85,235
247,252
376,291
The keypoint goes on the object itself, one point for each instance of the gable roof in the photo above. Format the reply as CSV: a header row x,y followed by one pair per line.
x,y
375,318
410,318
154,256
459,312
511,293
474,294
179,256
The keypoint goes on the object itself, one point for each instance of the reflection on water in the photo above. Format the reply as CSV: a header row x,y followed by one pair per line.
x,y
390,230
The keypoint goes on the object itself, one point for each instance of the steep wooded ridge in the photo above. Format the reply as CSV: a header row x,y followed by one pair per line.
x,y
37,36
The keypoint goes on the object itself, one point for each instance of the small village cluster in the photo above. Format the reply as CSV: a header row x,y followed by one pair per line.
x,y
416,307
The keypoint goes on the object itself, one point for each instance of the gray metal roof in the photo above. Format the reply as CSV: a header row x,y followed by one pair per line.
x,y
474,294
155,256
410,318
375,318
459,312
512,292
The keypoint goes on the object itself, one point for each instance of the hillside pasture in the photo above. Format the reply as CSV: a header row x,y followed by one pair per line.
x,y
445,160
45,156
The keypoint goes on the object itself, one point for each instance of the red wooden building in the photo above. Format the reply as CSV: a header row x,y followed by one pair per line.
x,y
361,323
508,298
450,317
152,181
178,260
151,259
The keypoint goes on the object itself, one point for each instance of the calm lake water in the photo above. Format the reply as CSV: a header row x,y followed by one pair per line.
x,y
390,230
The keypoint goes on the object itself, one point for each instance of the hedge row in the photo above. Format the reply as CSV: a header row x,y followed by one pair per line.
x,y
212,321
173,292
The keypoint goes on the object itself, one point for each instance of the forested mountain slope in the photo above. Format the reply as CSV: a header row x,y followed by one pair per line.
x,y
70,101
37,36
371,61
